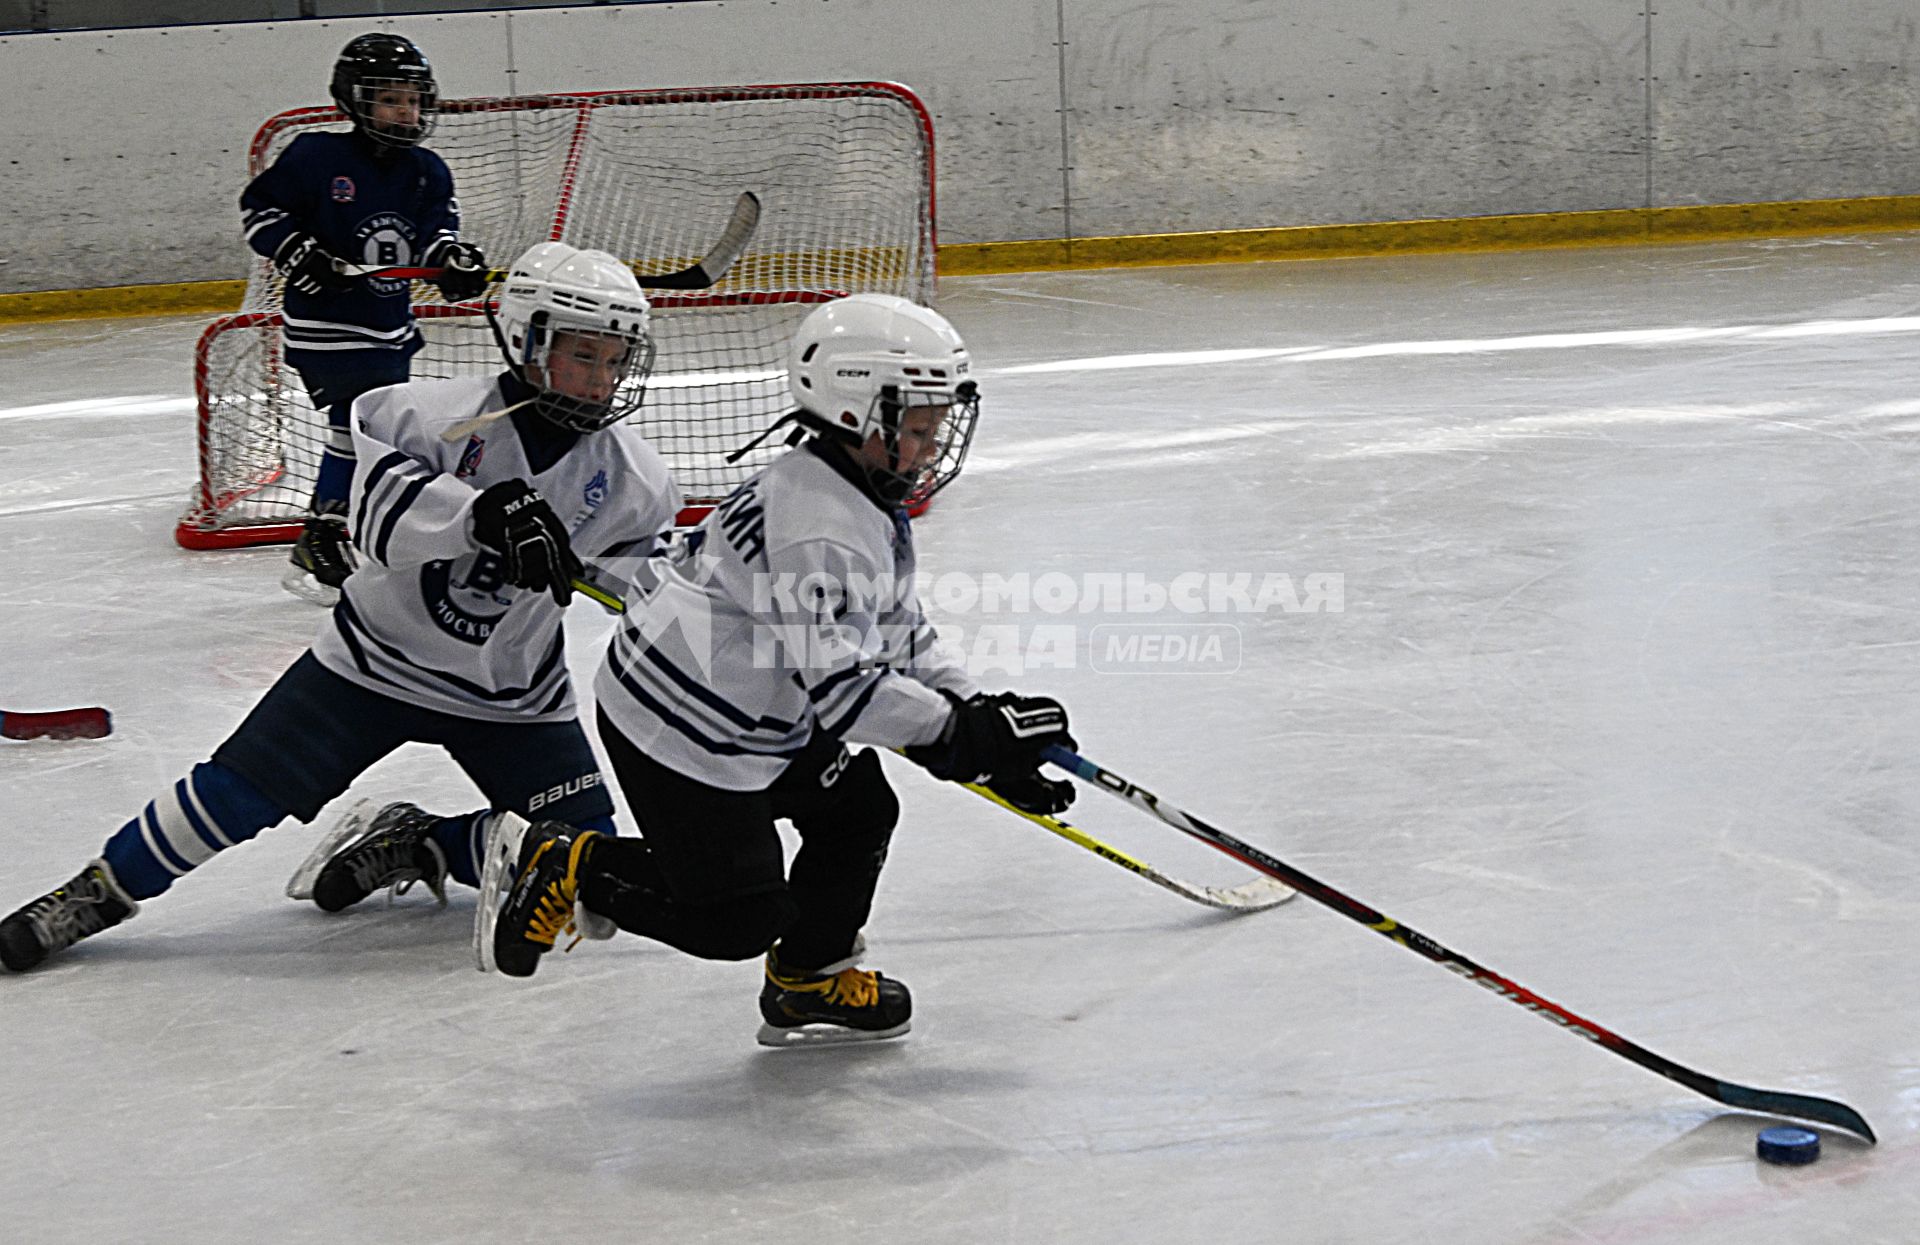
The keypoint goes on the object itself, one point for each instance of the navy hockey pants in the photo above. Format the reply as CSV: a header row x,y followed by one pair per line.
x,y
332,385
311,736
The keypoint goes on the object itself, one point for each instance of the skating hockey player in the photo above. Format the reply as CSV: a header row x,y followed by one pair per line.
x,y
786,628
450,632
373,195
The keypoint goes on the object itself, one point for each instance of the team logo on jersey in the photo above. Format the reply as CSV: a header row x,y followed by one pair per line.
x,y
597,489
343,189
470,458
459,603
385,240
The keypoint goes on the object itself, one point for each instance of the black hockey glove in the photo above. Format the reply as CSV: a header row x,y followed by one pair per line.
x,y
308,267
515,521
463,270
995,736
1034,792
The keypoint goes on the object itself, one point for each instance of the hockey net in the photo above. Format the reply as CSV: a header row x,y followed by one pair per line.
x,y
844,172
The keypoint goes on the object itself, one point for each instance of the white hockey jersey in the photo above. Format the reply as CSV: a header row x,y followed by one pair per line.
x,y
427,619
791,607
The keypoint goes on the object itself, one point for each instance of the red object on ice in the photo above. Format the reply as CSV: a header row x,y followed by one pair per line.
x,y
91,723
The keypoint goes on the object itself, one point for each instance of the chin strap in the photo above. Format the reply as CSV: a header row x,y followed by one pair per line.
x,y
793,438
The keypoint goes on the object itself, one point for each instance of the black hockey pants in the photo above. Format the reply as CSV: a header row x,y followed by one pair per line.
x,y
707,874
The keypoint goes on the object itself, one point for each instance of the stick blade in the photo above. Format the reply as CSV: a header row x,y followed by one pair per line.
x,y
715,263
1799,1106
1256,896
89,723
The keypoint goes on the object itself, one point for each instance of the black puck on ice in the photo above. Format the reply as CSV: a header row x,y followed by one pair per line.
x,y
1793,1147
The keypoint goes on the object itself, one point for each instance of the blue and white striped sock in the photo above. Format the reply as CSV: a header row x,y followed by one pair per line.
x,y
203,814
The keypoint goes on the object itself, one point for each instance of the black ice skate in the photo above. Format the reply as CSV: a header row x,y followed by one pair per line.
x,y
540,906
93,901
819,1008
387,849
322,558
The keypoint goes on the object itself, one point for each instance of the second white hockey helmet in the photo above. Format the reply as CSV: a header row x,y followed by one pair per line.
x,y
858,361
554,289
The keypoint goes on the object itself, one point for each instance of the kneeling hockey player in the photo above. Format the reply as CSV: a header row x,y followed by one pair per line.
x,y
448,634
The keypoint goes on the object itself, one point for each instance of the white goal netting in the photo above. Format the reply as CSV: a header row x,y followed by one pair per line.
x,y
844,173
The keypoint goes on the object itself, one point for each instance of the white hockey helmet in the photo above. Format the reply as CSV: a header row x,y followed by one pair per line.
x,y
857,361
555,288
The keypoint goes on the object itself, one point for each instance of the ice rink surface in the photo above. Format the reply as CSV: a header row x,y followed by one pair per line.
x,y
1620,698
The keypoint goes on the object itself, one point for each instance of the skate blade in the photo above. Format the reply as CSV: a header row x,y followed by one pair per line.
x,y
300,885
825,1035
302,584
505,832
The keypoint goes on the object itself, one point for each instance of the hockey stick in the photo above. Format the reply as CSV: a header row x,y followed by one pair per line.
x,y
1255,896
1769,1101
89,723
599,596
711,267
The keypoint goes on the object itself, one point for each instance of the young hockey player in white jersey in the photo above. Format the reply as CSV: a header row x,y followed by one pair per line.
x,y
786,627
470,497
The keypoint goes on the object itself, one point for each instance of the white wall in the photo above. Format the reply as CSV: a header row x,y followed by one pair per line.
x,y
125,150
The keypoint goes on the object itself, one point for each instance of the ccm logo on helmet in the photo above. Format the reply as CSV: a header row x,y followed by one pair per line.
x,y
853,371
573,786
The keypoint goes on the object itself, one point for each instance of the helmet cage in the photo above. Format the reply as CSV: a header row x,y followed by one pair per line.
x,y
364,96
952,436
378,62
531,355
555,289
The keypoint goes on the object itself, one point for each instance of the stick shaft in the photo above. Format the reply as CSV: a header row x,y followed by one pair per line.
x,y
1256,896
697,276
1822,1110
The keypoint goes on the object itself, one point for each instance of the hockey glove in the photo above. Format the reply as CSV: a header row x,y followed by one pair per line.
x,y
463,270
512,519
309,267
1034,792
987,736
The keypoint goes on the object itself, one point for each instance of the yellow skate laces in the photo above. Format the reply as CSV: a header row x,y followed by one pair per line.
x,y
850,987
553,916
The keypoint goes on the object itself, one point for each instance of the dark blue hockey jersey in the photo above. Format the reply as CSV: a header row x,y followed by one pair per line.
x,y
387,209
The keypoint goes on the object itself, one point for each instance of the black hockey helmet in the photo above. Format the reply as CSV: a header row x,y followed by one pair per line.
x,y
376,62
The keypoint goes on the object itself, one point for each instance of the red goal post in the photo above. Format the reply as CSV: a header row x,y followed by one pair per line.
x,y
844,172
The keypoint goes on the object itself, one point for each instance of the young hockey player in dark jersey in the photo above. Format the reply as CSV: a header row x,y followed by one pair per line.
x,y
785,627
369,196
470,498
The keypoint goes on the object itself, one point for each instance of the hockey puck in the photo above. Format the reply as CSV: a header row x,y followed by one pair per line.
x,y
1791,1147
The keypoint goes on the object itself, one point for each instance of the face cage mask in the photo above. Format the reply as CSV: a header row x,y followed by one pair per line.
x,y
363,94
953,436
580,414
